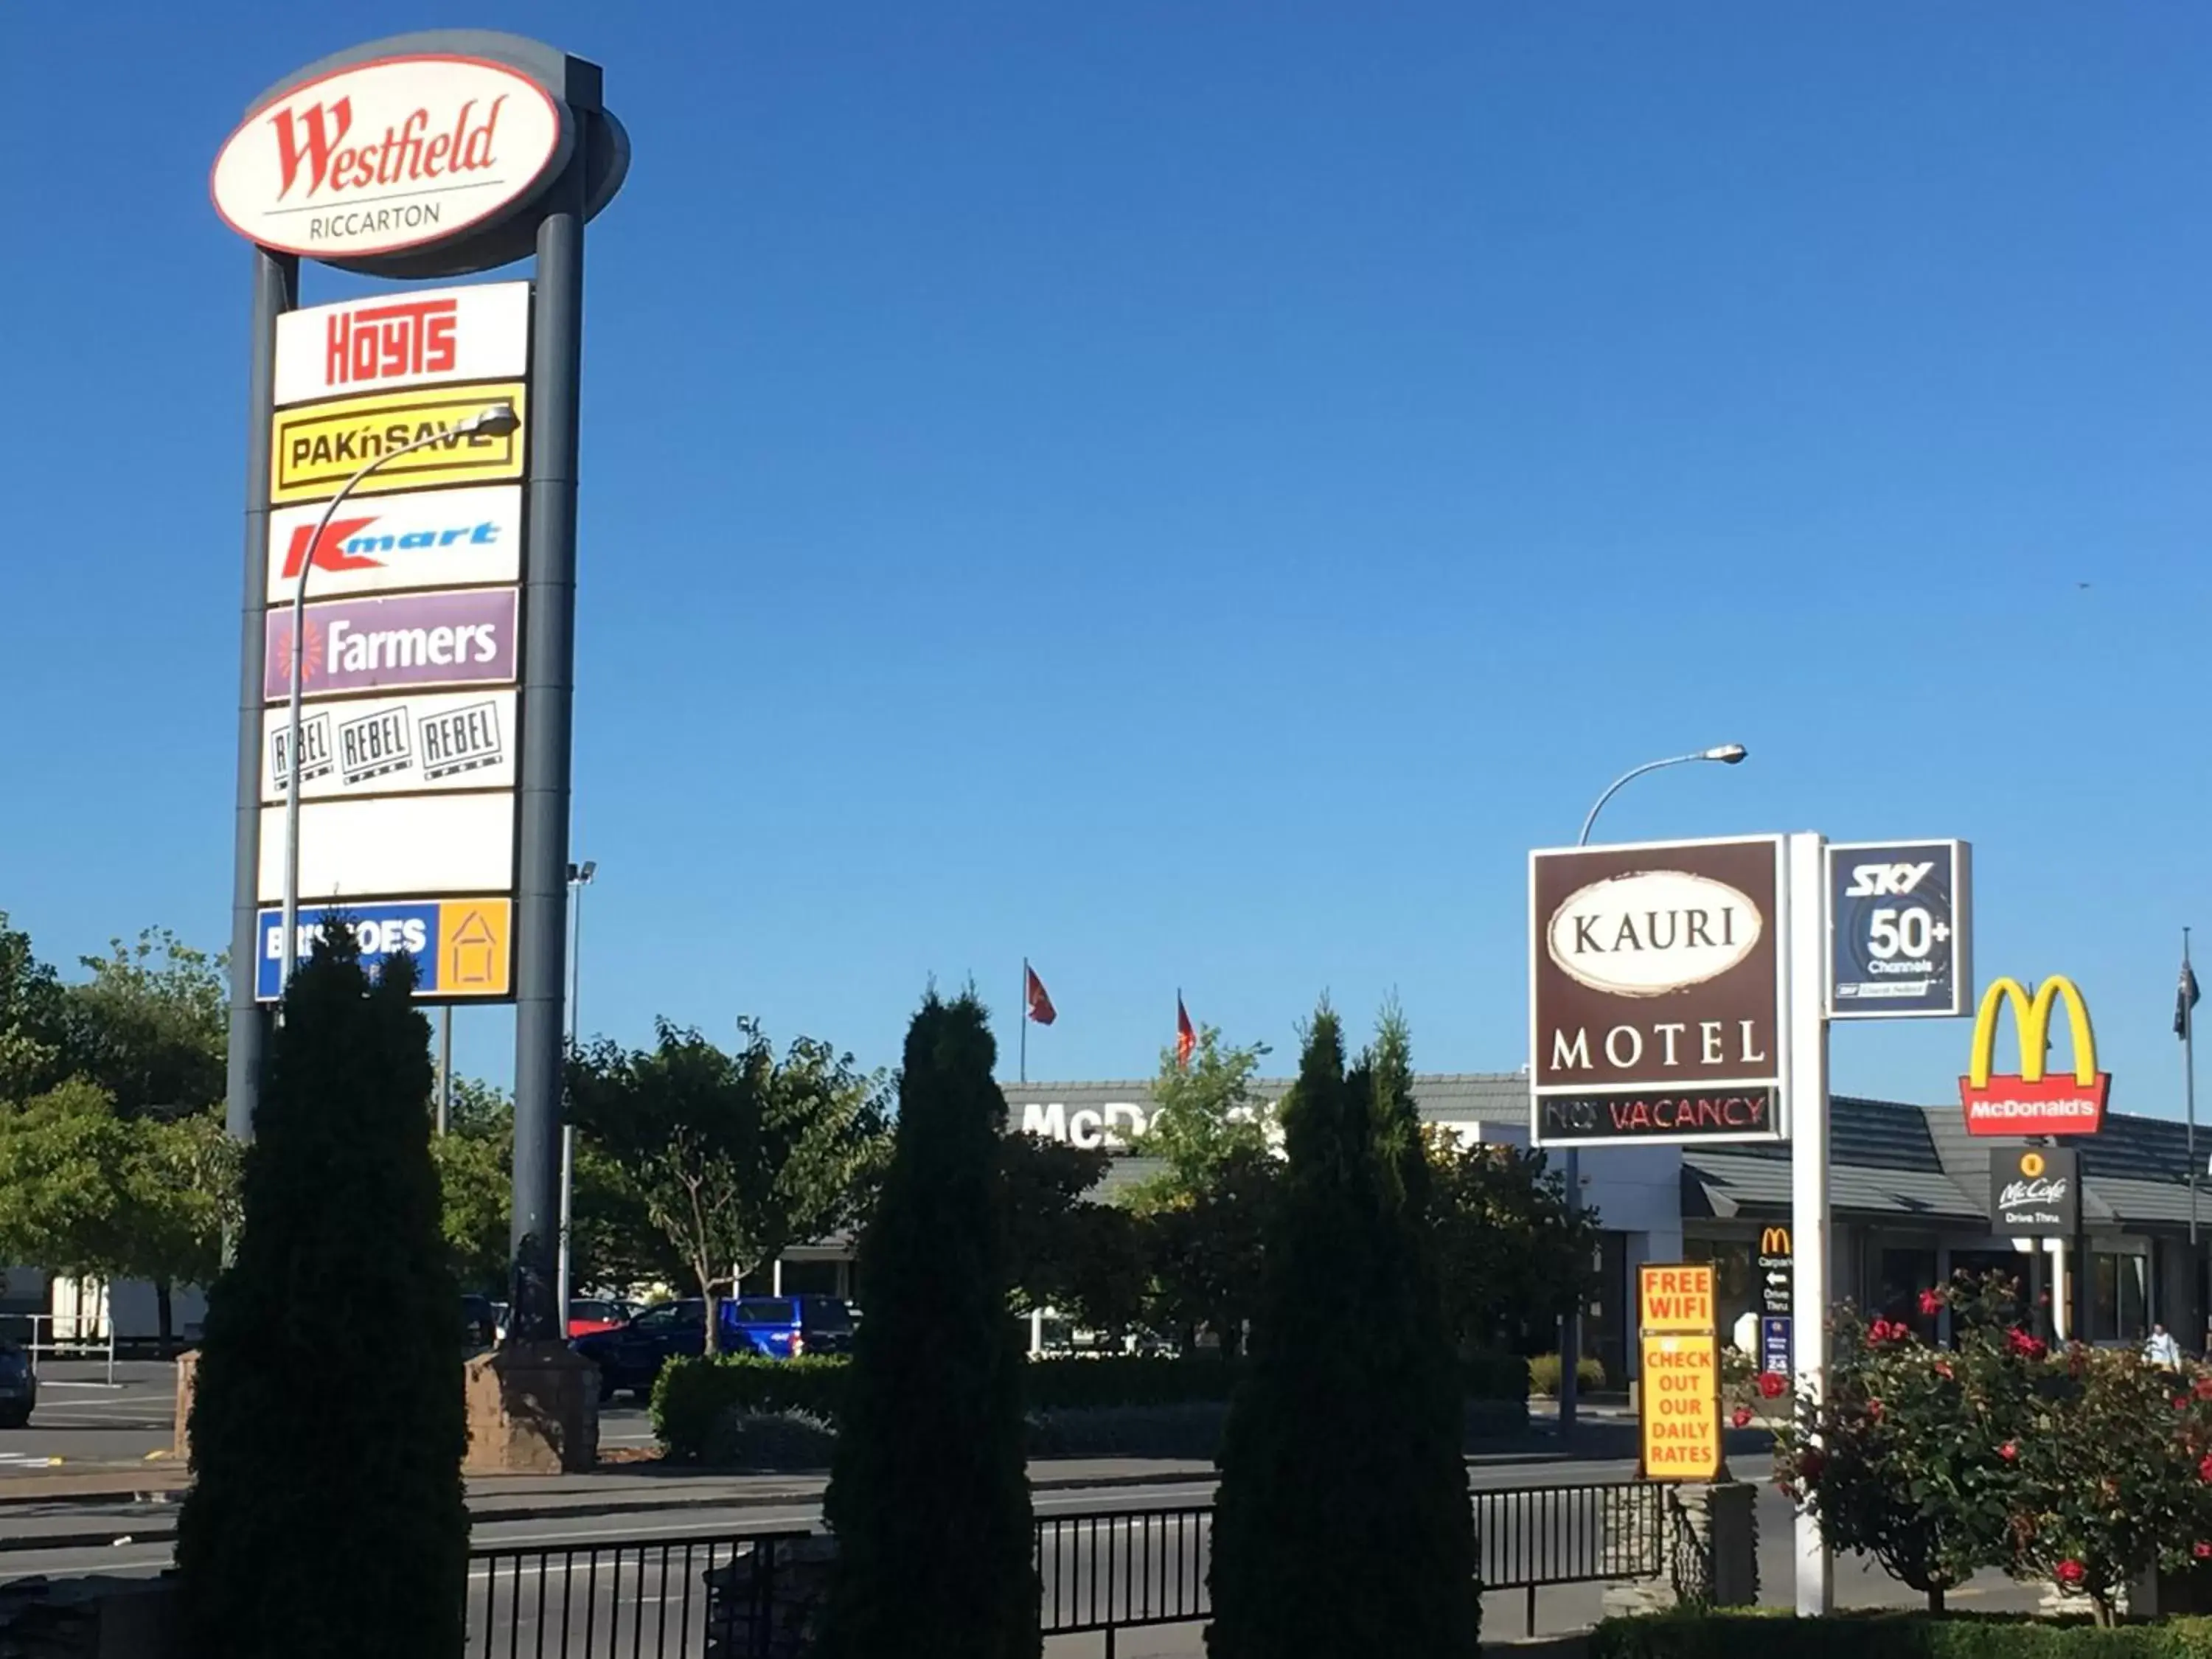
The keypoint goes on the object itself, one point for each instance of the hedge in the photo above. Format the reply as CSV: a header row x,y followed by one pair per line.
x,y
1892,1636
692,1395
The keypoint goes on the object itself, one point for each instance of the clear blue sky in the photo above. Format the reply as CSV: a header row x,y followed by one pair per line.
x,y
1190,493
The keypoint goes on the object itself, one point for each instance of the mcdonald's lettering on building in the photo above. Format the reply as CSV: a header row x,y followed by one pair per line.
x,y
2034,1101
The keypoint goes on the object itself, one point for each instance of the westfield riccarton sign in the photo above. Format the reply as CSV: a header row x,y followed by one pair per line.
x,y
379,157
1655,991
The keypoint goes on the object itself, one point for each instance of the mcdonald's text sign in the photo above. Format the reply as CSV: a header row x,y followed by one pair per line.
x,y
2033,1100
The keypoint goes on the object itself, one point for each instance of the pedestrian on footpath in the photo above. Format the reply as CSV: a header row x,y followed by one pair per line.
x,y
2162,1350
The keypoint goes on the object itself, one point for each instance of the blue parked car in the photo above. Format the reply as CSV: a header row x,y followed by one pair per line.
x,y
787,1327
630,1356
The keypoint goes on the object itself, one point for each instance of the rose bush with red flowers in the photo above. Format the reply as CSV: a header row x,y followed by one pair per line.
x,y
2082,1468
1772,1385
1900,1459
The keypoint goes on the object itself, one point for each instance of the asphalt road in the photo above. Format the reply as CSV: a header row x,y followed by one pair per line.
x,y
86,1424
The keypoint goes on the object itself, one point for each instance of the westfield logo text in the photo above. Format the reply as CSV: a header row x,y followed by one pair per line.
x,y
313,138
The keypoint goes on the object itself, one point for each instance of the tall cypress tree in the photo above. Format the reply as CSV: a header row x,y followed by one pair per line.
x,y
1342,1527
929,1495
327,1427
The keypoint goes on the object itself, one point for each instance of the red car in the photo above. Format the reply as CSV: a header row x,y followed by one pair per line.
x,y
590,1315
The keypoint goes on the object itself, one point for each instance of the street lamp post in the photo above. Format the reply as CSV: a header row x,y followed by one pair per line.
x,y
1571,1328
580,878
496,421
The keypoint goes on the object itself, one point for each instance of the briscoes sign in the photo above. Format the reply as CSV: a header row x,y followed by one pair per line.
x,y
315,448
390,746
460,947
394,341
2035,1192
399,153
410,639
1655,991
433,538
2031,1102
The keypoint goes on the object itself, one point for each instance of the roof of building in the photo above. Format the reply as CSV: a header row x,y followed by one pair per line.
x,y
1888,1158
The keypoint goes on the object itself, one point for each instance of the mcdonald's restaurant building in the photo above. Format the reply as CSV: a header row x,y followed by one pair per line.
x,y
1909,1189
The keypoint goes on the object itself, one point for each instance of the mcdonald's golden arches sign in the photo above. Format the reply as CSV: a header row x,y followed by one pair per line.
x,y
2033,1101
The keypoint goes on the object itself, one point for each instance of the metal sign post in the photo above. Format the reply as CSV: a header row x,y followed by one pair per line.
x,y
1805,1084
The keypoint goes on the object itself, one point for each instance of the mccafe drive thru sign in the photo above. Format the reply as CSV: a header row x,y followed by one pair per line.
x,y
1655,991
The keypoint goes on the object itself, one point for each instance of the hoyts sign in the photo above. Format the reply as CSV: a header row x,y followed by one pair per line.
x,y
397,153
2032,1100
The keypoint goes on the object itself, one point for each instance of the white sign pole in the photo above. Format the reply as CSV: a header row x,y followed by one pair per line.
x,y
1805,1084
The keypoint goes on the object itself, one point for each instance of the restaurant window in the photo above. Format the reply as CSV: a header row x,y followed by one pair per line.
x,y
1735,1286
2119,1297
1903,1275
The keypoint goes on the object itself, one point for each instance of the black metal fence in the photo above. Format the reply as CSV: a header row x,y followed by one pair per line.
x,y
659,1598
1118,1570
750,1596
1527,1537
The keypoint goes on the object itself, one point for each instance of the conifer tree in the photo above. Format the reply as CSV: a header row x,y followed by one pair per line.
x,y
929,1494
1342,1526
326,1516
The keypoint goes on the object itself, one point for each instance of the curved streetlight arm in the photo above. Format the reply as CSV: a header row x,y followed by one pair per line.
x,y
1630,776
291,915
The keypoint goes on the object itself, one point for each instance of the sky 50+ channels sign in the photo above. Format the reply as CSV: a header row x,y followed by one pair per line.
x,y
462,948
1656,997
1900,929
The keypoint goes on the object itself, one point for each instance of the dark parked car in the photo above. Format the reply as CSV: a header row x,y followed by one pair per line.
x,y
787,1327
631,1355
18,1386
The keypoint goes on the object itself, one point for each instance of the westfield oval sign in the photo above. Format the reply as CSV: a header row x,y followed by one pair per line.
x,y
396,153
1650,931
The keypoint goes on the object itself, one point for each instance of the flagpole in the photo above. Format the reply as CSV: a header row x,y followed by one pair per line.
x,y
2189,1090
1021,1012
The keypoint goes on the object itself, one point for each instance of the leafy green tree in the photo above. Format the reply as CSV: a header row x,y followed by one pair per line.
x,y
928,1496
733,1155
1206,1116
1083,1258
1311,1519
330,1364
1512,1258
183,1192
476,1186
1204,1217
32,1032
151,1026
86,1192
65,1180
